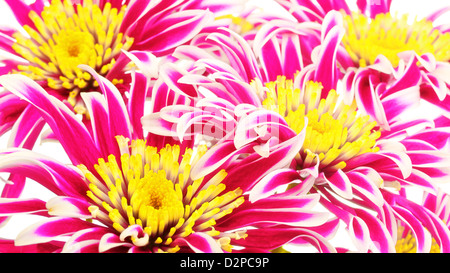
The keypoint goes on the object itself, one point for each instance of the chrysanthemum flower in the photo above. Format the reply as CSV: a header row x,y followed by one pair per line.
x,y
127,196
349,156
59,35
382,50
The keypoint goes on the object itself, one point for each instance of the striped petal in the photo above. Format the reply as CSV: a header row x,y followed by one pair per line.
x,y
84,241
292,217
271,182
332,33
173,30
360,234
55,176
199,243
62,121
11,206
282,236
119,122
339,182
248,171
50,229
378,232
68,207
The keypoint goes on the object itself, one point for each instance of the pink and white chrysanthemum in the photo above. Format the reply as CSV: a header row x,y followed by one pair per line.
x,y
123,195
57,36
349,157
383,53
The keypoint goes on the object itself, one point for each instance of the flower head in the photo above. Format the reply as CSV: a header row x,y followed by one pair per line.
x,y
64,36
388,35
382,48
58,36
128,196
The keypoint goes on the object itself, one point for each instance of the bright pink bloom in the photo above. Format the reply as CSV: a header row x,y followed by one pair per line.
x,y
147,200
57,36
415,64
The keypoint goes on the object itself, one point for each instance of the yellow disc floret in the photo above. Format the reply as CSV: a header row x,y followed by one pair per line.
x,y
153,189
388,35
335,132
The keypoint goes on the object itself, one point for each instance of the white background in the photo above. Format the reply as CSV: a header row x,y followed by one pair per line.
x,y
415,8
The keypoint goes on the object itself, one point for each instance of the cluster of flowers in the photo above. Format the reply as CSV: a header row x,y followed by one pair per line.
x,y
218,126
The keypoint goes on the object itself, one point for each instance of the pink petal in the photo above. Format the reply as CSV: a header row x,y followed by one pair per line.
x,y
99,120
85,240
62,121
119,121
138,94
360,234
271,182
199,243
68,207
271,238
293,217
50,229
327,71
10,206
340,183
170,73
368,99
173,30
378,232
55,176
110,241
366,187
254,167
215,157
9,246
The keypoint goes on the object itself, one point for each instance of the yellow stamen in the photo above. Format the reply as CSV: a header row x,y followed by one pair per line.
x,y
144,190
334,133
389,35
67,36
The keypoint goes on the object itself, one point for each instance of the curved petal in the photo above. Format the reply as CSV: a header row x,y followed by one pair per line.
x,y
62,121
327,70
378,232
340,183
293,217
84,241
248,171
200,243
119,121
173,30
55,176
360,234
271,182
68,207
279,236
11,206
50,229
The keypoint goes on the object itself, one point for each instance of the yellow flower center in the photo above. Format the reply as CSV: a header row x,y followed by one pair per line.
x,y
67,36
388,35
153,189
335,132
